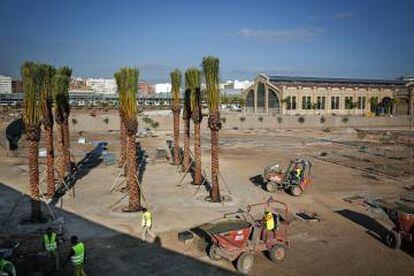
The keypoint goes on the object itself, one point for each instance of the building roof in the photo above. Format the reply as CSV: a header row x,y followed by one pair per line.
x,y
335,80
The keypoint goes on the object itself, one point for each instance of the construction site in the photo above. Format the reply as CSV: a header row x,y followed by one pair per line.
x,y
336,225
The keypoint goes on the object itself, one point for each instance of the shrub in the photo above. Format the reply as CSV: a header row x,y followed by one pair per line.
x,y
223,120
155,125
345,120
260,118
242,119
235,128
301,120
322,120
279,120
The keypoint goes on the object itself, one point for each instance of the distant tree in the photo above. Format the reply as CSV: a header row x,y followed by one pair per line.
x,y
242,119
345,119
74,123
260,118
279,120
223,120
374,104
322,120
301,120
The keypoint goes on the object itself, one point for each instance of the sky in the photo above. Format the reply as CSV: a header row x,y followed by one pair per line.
x,y
341,38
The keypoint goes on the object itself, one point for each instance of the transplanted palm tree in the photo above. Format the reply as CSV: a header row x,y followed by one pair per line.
x,y
60,85
186,118
66,71
192,83
46,103
176,109
127,78
211,73
119,77
32,120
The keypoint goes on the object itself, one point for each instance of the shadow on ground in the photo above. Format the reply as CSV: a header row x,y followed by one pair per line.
x,y
109,252
258,181
373,227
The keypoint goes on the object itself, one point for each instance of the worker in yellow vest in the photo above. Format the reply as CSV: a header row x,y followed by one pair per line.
x,y
270,223
146,223
77,256
51,246
7,268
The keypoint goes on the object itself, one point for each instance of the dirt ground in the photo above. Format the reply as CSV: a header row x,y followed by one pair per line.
x,y
347,241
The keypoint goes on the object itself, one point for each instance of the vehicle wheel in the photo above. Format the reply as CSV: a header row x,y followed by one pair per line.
x,y
393,239
271,187
278,252
245,263
295,191
213,253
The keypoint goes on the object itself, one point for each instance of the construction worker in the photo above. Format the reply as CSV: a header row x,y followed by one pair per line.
x,y
77,256
298,174
7,268
270,223
51,246
146,223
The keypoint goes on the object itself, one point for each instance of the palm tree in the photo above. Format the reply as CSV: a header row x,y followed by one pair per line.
x,y
60,84
119,77
186,118
192,82
128,80
32,120
46,102
176,109
211,73
67,72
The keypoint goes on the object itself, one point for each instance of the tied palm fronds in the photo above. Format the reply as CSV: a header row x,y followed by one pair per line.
x,y
211,72
192,83
32,111
176,84
176,108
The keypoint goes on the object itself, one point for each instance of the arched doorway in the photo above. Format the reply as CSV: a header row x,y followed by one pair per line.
x,y
385,106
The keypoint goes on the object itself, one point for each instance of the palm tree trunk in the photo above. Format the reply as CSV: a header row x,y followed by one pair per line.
x,y
123,138
197,154
134,196
176,115
61,150
33,155
50,162
186,161
66,144
215,191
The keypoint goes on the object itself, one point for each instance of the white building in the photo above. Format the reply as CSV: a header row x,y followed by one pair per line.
x,y
5,84
163,87
235,84
104,86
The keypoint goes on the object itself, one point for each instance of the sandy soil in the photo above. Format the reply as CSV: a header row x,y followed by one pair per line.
x,y
347,240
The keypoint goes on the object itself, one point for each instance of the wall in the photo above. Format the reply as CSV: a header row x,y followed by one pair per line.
x,y
88,123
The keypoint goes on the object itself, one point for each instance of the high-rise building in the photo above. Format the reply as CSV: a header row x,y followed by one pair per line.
x,y
5,84
163,87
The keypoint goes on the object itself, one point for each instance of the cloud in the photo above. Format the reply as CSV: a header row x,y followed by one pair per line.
x,y
343,15
280,35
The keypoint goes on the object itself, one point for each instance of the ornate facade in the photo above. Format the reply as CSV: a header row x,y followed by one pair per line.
x,y
309,95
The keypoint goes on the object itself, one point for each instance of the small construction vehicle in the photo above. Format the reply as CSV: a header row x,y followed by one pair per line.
x,y
401,213
294,180
242,235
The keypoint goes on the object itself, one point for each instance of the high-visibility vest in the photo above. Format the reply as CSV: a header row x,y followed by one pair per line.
x,y
7,267
147,219
50,244
270,221
298,172
79,256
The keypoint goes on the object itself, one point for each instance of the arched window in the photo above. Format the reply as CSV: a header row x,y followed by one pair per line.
x,y
261,95
250,101
273,102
